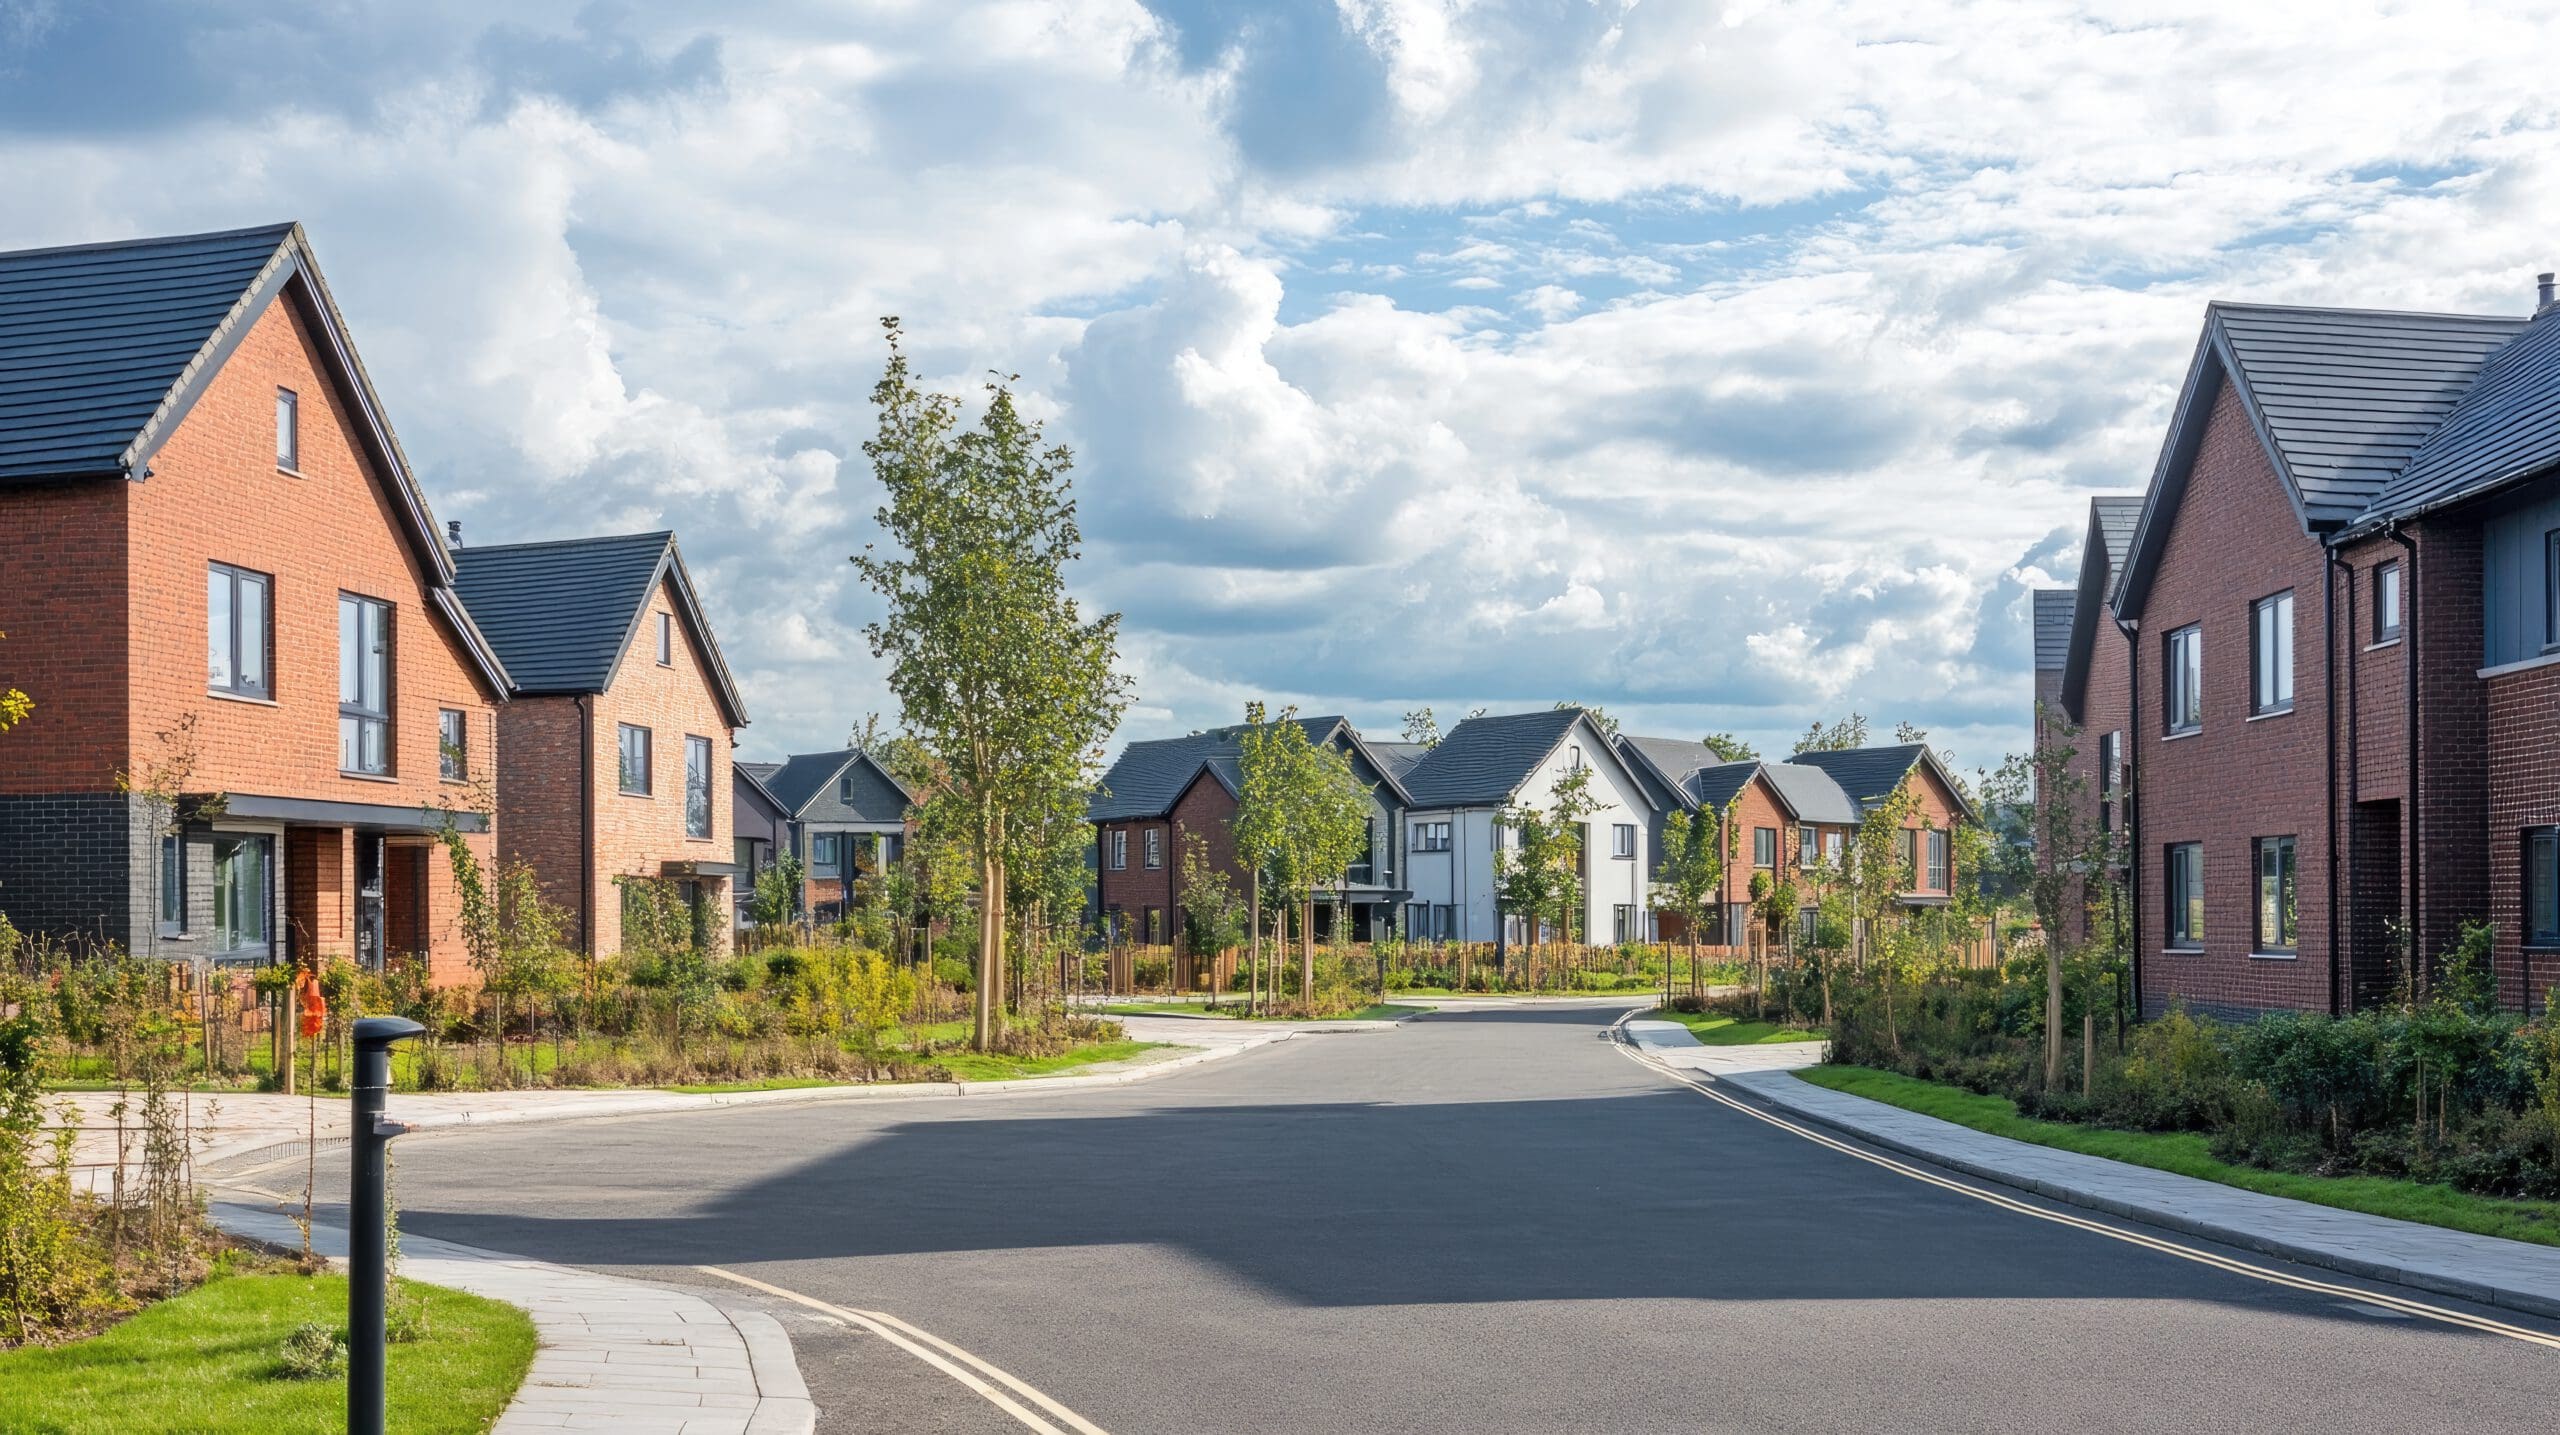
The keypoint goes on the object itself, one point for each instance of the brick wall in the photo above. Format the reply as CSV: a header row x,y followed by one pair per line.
x,y
638,836
2523,724
542,804
64,610
2233,540
63,864
2453,736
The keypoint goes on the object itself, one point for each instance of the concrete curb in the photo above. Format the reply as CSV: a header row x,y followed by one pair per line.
x,y
1771,1088
613,1353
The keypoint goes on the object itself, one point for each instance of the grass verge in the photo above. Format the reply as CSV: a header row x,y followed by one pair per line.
x,y
1718,1029
2188,1154
1374,1011
206,1362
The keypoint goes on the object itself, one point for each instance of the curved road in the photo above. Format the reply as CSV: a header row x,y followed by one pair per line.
x,y
1482,1221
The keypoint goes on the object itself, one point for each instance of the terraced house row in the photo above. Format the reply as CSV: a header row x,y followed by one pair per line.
x,y
2314,669
266,683
1431,865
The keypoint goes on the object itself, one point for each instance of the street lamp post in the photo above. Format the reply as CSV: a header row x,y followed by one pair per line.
x,y
369,1220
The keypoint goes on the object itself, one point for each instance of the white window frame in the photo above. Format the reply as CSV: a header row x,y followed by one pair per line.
x,y
1154,849
288,431
2182,680
1622,841
2271,655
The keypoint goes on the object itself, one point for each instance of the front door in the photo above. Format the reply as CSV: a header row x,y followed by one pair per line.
x,y
369,901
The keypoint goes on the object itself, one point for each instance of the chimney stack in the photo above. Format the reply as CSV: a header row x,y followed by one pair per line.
x,y
453,526
2542,293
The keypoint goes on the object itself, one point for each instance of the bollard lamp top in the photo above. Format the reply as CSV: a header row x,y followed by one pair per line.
x,y
384,1030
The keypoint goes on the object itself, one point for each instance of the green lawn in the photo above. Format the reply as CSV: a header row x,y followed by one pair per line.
x,y
2187,1154
972,1066
204,1363
1717,1029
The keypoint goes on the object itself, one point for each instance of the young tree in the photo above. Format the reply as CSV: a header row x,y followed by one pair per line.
x,y
1300,819
2067,866
1841,736
1005,683
776,898
1691,880
1212,913
1869,879
1538,873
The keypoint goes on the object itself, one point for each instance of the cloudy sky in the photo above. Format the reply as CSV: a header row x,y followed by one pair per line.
x,y
1725,363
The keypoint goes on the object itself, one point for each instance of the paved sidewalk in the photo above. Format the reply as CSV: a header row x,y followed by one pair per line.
x,y
238,1128
615,1354
2513,1274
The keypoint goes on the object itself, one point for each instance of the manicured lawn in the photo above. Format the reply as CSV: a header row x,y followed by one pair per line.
x,y
205,1362
2187,1154
1717,1029
972,1066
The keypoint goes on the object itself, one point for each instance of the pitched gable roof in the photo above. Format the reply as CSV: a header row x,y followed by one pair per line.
x,y
1148,777
1669,763
1396,759
2506,427
563,613
2340,400
1869,775
1484,760
802,777
2053,628
1810,793
105,348
2110,535
1719,785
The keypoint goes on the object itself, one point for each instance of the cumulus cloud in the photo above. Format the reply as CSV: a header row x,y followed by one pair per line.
x,y
1730,364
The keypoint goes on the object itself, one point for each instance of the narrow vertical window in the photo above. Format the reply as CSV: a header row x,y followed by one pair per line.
x,y
1938,875
2551,590
2183,677
697,786
2386,602
364,686
1119,850
2186,895
238,634
1155,848
1764,846
635,772
453,745
2271,652
173,884
2542,887
666,640
288,431
1810,846
1622,839
2275,917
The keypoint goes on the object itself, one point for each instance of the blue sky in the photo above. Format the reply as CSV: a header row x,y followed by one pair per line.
x,y
1728,364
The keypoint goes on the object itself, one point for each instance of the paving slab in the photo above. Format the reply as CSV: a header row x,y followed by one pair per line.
x,y
615,1354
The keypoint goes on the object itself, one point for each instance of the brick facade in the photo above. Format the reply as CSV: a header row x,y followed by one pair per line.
x,y
107,631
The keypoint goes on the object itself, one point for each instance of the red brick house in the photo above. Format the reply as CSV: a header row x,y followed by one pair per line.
x,y
2082,668
1159,792
2342,643
224,583
613,756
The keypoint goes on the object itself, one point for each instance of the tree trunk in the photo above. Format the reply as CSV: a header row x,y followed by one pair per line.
x,y
1253,955
2052,1013
1307,951
990,926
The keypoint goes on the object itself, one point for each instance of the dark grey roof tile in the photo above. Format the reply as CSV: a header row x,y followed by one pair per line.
x,y
2053,608
1483,760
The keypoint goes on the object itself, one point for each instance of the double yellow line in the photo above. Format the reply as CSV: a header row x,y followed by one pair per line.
x,y
2400,1304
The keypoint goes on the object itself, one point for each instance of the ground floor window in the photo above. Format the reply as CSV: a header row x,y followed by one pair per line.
x,y
1622,923
2274,861
2542,887
1430,922
2185,891
240,893
1808,925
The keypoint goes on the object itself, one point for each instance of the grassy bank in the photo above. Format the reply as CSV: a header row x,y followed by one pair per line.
x,y
2187,1154
207,1362
1718,1029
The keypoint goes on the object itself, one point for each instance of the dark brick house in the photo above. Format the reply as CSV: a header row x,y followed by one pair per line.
x,y
220,568
840,812
2082,667
2340,613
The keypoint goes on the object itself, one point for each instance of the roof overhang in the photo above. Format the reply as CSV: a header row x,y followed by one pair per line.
x,y
324,812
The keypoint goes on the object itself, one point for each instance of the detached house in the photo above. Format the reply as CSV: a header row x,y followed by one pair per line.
x,y
2342,649
1487,764
1160,792
224,586
614,754
841,813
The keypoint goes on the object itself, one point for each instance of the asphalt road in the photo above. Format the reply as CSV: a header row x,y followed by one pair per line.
x,y
1479,1222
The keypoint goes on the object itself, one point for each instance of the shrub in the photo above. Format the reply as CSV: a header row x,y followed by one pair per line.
x,y
311,1352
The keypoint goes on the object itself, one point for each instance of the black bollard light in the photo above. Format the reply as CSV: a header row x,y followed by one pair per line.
x,y
369,1220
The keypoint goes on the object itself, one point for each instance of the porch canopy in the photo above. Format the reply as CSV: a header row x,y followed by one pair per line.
x,y
313,811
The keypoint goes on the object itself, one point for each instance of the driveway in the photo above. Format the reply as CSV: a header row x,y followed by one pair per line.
x,y
1487,1220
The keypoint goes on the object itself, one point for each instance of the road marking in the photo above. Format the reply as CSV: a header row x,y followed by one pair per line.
x,y
932,1349
2396,1304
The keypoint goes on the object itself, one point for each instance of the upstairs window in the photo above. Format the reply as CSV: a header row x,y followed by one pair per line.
x,y
1831,846
2551,590
1119,850
697,786
238,635
2386,602
288,431
1906,850
666,640
2183,678
1155,848
364,685
635,742
453,745
2271,655
1937,873
1431,837
1622,840
1809,845
1764,846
